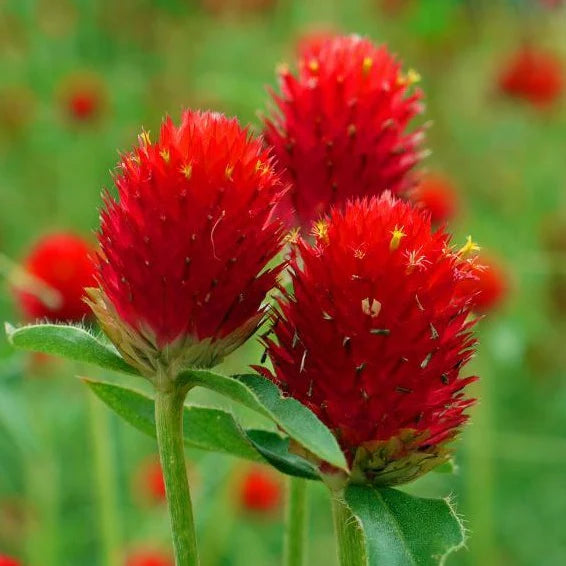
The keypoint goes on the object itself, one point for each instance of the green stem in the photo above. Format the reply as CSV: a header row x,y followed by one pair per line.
x,y
296,522
351,547
169,425
106,480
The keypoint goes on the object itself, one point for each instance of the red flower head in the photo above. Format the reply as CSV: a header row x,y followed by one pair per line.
x,y
61,267
375,335
489,287
151,481
148,558
341,129
533,75
7,561
436,194
260,490
181,270
83,97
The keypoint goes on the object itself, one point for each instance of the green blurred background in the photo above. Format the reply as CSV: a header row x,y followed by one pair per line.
x,y
146,58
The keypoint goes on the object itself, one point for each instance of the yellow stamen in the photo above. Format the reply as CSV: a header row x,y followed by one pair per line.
x,y
165,155
320,230
367,65
187,171
228,172
396,235
469,247
144,138
371,307
293,236
412,77
313,65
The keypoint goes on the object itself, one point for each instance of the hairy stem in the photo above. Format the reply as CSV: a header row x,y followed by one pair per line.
x,y
169,425
349,536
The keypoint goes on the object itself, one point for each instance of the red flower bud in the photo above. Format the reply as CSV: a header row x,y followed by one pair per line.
x,y
375,335
341,129
61,266
181,271
436,194
7,561
148,558
533,75
260,490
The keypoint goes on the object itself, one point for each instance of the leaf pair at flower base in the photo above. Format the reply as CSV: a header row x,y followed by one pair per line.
x,y
398,529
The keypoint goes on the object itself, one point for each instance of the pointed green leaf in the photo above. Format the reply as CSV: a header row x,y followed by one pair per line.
x,y
404,530
264,397
71,342
206,428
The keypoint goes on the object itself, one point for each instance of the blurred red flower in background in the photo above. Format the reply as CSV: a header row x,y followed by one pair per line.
x,y
150,480
534,75
83,97
375,335
61,260
149,558
184,249
7,561
260,490
436,194
490,286
341,126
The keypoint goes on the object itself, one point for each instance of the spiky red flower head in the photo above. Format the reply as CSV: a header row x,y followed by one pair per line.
x,y
374,337
260,490
436,194
7,561
181,272
489,287
533,75
61,267
148,558
341,129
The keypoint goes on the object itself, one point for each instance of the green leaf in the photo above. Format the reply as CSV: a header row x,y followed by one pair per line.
x,y
404,530
264,397
206,428
71,342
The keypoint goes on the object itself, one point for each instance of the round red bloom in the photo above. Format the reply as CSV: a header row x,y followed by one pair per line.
x,y
63,262
181,270
341,127
151,480
489,287
374,337
148,558
7,561
436,194
83,97
533,75
260,490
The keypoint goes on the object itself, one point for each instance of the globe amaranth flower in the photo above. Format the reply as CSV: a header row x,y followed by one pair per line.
x,y
533,75
374,336
60,266
148,557
436,193
182,269
340,130
260,490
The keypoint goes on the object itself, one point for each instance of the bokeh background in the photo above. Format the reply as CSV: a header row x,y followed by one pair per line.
x,y
79,79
